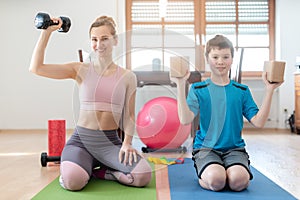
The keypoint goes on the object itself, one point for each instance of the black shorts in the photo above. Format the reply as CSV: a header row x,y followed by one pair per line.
x,y
204,157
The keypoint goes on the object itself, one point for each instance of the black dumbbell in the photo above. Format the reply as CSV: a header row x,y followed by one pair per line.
x,y
45,159
43,21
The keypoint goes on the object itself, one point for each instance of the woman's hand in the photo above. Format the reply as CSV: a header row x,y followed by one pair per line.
x,y
127,154
55,27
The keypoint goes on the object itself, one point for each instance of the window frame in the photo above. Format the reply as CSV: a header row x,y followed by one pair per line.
x,y
199,31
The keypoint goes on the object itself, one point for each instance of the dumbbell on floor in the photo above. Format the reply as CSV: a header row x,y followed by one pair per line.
x,y
43,21
45,159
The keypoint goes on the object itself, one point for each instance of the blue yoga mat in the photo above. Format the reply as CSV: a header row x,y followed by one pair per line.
x,y
184,185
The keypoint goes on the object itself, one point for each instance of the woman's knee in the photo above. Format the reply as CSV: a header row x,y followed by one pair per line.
x,y
141,180
142,174
73,177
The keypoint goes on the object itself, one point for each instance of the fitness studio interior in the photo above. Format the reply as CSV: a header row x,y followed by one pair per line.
x,y
29,102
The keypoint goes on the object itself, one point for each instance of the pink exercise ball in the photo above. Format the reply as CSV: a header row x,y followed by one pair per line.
x,y
158,125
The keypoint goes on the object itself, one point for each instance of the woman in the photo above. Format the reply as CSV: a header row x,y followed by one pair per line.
x,y
107,94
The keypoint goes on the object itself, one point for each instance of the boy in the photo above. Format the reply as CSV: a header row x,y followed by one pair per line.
x,y
219,154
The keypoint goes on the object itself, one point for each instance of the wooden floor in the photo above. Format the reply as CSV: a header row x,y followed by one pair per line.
x,y
276,153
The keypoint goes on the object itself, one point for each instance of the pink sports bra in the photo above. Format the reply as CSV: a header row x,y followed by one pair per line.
x,y
102,93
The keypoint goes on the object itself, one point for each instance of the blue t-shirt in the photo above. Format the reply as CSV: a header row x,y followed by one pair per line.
x,y
221,110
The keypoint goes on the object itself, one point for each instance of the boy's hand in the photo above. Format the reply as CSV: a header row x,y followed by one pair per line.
x,y
180,80
269,86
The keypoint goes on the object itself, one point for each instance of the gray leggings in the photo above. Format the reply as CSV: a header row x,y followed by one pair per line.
x,y
93,148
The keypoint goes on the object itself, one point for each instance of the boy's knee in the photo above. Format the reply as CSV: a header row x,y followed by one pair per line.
x,y
238,178
216,184
238,184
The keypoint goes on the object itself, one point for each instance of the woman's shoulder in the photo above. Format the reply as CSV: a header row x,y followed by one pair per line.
x,y
127,73
82,69
129,77
82,65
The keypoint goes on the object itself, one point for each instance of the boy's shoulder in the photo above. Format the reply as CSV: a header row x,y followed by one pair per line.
x,y
206,83
200,85
239,85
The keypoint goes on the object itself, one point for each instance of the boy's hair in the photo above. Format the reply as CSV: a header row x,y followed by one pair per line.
x,y
219,42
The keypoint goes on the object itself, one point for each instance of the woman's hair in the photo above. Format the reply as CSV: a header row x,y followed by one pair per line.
x,y
219,42
105,21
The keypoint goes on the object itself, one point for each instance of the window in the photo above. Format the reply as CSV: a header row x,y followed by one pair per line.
x,y
159,29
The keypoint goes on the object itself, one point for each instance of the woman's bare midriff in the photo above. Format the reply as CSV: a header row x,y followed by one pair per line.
x,y
98,120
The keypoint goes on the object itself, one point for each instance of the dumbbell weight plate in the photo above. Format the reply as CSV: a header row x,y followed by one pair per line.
x,y
66,25
44,159
42,21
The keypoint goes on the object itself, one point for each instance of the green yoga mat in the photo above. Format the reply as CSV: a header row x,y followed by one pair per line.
x,y
99,189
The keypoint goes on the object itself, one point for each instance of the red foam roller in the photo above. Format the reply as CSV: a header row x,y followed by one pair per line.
x,y
56,136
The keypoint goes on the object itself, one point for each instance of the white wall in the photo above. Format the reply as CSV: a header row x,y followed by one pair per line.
x,y
28,101
288,47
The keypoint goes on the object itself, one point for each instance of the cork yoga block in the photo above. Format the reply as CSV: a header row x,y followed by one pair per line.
x,y
275,70
179,66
